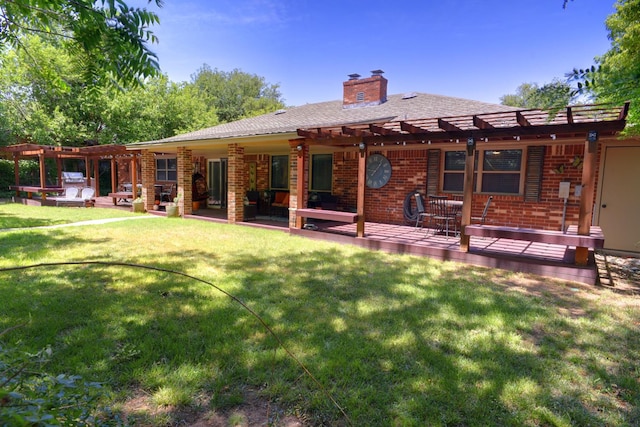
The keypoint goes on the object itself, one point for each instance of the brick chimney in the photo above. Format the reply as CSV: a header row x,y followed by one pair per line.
x,y
364,92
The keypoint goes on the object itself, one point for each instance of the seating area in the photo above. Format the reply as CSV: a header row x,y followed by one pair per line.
x,y
279,204
73,196
441,213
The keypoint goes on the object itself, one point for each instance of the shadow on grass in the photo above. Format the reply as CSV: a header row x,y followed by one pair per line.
x,y
395,340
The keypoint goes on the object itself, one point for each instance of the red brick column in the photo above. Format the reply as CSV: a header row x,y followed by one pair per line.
x,y
297,193
148,165
185,174
236,190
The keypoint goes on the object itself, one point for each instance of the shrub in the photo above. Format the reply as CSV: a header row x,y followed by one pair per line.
x,y
31,397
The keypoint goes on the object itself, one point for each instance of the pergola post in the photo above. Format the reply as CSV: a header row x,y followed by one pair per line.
x,y
43,175
16,171
134,176
114,165
587,195
362,180
87,168
467,194
59,171
96,175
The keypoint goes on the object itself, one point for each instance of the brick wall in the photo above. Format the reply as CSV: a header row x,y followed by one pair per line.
x,y
238,176
409,172
185,173
147,178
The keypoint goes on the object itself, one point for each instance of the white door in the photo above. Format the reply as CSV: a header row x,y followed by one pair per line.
x,y
619,208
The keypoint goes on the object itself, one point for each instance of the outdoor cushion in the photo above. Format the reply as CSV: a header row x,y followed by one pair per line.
x,y
280,195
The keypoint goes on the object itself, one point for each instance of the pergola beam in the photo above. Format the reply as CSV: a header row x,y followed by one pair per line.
x,y
448,126
481,123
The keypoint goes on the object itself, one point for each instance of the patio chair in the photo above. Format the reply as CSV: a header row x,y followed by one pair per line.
x,y
166,193
87,194
422,214
70,193
443,214
480,219
73,197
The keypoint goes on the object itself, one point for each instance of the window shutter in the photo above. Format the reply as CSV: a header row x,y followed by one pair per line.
x,y
533,179
433,171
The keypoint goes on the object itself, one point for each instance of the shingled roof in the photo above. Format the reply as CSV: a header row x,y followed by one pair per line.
x,y
397,107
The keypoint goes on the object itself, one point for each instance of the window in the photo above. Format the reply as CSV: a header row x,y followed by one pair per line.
x,y
321,169
501,171
280,172
166,169
496,171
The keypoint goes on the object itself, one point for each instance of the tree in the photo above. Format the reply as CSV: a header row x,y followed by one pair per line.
x,y
552,95
112,36
34,108
614,76
236,94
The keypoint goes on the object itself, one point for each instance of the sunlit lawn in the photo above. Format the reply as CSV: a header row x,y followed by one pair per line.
x,y
395,340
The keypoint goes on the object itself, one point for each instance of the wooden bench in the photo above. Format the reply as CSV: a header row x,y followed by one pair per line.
x,y
30,189
329,215
120,195
570,238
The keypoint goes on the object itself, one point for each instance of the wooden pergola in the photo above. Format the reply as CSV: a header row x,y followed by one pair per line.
x,y
575,124
90,154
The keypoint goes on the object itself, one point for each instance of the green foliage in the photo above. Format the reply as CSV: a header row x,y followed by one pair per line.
x,y
29,175
38,110
111,36
31,397
552,95
236,94
614,76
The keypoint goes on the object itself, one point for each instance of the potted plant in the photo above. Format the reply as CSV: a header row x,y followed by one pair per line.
x,y
173,210
138,205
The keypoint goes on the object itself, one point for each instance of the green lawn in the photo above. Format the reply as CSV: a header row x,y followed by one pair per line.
x,y
395,340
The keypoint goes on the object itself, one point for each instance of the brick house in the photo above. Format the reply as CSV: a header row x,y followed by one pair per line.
x,y
325,143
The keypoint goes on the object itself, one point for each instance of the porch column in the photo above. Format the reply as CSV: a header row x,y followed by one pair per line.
x,y
148,163
587,197
185,177
235,184
297,180
362,180
300,182
467,196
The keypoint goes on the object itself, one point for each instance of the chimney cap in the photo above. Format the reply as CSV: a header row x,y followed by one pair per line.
x,y
377,72
354,76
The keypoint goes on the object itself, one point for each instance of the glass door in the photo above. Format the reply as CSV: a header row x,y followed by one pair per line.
x,y
218,183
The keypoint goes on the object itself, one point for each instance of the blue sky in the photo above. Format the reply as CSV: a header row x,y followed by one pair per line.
x,y
475,49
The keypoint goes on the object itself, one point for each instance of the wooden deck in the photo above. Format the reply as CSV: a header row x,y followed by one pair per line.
x,y
520,256
543,259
